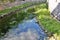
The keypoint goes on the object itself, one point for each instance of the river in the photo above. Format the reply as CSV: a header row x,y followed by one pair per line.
x,y
27,29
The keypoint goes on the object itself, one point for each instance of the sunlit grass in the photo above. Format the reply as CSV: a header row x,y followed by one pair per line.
x,y
45,19
5,11
43,16
25,5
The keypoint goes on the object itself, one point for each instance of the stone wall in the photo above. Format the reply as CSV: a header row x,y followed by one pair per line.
x,y
54,7
16,3
52,4
56,12
36,0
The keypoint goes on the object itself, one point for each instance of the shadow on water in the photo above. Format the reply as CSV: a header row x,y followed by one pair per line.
x,y
21,26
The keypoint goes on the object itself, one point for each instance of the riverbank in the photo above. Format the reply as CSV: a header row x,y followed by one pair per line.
x,y
26,4
50,25
22,22
13,18
13,10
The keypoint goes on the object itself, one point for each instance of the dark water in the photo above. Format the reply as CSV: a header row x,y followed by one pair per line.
x,y
25,28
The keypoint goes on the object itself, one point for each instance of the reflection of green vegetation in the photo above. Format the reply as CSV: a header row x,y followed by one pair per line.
x,y
45,19
11,21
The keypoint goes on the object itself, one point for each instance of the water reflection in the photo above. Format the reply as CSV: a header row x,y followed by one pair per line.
x,y
27,30
20,26
11,21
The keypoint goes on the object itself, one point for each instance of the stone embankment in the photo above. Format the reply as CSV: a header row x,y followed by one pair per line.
x,y
16,3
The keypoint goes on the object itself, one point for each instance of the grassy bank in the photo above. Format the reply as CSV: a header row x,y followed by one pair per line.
x,y
8,10
2,12
12,21
9,21
45,19
43,16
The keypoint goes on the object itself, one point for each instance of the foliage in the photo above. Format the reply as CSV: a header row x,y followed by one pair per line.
x,y
3,1
30,10
47,21
44,18
11,21
14,8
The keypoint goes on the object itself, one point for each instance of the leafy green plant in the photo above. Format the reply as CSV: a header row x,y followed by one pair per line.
x,y
30,10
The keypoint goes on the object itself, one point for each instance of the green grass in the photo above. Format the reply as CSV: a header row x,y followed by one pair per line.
x,y
45,19
48,22
13,8
12,21
42,14
17,7
9,21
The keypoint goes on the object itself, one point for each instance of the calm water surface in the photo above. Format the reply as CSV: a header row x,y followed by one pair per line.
x,y
25,30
